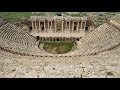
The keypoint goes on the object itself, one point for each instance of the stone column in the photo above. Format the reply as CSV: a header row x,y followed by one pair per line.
x,y
51,25
32,24
35,25
44,27
55,26
62,25
48,25
78,27
55,38
81,24
66,26
84,24
69,25
72,26
39,26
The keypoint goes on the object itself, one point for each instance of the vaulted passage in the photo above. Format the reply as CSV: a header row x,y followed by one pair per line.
x,y
57,39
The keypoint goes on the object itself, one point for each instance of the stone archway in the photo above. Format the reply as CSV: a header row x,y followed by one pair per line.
x,y
58,39
42,28
37,37
86,29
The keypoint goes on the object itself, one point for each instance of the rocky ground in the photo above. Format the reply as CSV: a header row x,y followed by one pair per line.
x,y
101,17
104,65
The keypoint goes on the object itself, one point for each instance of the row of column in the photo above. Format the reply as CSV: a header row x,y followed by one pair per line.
x,y
57,39
67,27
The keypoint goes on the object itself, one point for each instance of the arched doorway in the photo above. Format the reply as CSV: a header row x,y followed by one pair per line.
x,y
86,29
57,39
42,28
77,39
37,38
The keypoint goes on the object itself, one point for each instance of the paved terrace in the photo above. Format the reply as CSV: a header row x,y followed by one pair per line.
x,y
51,34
